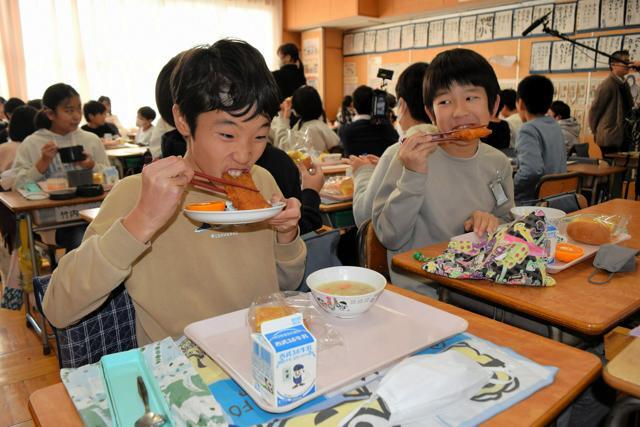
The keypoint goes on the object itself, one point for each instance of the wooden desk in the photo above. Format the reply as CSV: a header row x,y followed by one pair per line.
x,y
127,151
89,214
52,406
623,371
573,303
18,204
596,171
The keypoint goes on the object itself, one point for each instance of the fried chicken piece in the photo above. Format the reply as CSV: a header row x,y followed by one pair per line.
x,y
244,199
469,134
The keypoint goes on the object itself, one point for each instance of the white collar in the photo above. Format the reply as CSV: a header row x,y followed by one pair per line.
x,y
361,117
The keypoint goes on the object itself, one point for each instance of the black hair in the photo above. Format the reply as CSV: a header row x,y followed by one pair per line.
x,y
291,50
93,108
12,104
508,98
617,56
344,107
35,103
104,98
408,88
536,91
230,75
22,123
164,101
54,95
362,98
147,113
461,66
561,109
2,100
307,104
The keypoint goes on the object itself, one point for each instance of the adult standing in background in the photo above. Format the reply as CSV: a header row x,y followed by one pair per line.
x,y
290,76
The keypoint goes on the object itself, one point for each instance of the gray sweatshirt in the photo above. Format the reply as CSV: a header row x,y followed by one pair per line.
x,y
571,132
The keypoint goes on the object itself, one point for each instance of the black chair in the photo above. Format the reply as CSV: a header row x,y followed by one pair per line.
x,y
322,252
581,150
567,202
109,329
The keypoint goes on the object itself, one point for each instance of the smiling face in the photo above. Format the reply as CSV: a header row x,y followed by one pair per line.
x,y
66,117
224,143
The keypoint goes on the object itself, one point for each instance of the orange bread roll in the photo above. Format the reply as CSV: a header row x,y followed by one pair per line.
x,y
267,312
589,231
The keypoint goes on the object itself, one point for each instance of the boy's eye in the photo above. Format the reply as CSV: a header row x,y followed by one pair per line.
x,y
226,136
261,137
443,102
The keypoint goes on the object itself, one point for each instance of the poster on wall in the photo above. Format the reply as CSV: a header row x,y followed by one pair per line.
x,y
593,87
612,13
503,22
407,36
358,43
539,12
632,44
581,93
382,40
484,26
394,38
578,114
540,57
451,31
436,30
562,90
521,20
632,17
311,55
564,18
350,78
607,44
421,34
347,44
369,41
585,59
561,56
572,91
587,15
467,29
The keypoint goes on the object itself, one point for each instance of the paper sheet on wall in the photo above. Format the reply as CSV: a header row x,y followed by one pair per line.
x,y
521,20
612,14
347,44
587,15
539,12
436,30
572,90
369,41
632,17
484,26
632,44
585,59
407,36
593,87
507,84
421,34
311,55
564,18
607,44
394,38
358,43
467,29
561,56
581,93
578,114
502,24
540,56
373,63
382,40
451,31
350,77
562,92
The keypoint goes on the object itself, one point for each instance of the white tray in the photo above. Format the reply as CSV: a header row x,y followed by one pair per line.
x,y
395,327
589,250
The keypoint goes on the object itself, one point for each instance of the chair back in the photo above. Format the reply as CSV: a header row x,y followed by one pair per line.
x,y
581,150
109,329
371,253
567,202
558,183
595,152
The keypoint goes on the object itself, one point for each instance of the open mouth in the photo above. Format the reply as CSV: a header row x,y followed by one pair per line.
x,y
236,172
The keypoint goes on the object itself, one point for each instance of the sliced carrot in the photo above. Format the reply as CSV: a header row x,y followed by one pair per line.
x,y
207,206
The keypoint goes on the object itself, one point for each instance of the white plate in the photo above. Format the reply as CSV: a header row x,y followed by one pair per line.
x,y
234,217
551,213
395,327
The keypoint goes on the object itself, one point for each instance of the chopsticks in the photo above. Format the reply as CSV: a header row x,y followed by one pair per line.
x,y
213,187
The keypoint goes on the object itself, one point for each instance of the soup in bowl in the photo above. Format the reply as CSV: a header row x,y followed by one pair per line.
x,y
344,291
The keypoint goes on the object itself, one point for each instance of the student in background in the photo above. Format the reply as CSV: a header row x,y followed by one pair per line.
x,y
3,118
431,191
37,157
21,125
35,103
144,122
112,118
540,146
345,113
9,106
95,114
500,137
362,136
290,76
165,140
510,114
306,108
561,113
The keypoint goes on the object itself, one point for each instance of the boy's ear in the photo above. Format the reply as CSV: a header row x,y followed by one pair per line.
x,y
520,105
494,111
180,121
431,115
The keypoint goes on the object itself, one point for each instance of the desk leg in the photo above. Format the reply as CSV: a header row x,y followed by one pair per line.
x,y
555,333
594,192
39,329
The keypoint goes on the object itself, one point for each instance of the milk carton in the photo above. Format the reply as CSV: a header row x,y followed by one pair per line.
x,y
284,360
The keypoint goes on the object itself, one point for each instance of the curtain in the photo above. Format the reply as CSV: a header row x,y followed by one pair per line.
x,y
12,81
117,47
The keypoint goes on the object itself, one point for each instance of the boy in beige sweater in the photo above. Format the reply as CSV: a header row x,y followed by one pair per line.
x,y
176,271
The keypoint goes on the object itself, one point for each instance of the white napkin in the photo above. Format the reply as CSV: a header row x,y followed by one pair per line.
x,y
419,386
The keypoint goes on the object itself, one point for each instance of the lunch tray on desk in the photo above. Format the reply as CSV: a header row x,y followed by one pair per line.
x,y
395,327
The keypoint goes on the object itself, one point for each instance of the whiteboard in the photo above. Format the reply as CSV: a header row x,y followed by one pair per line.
x,y
421,34
632,17
584,59
607,44
407,36
540,56
502,24
521,20
484,27
612,13
358,43
632,44
587,15
561,56
436,33
564,18
467,29
394,38
382,40
370,41
451,31
539,12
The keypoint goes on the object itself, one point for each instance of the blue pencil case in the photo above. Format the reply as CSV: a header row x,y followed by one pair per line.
x,y
120,372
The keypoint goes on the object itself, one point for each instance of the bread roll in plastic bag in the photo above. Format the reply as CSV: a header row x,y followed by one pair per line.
x,y
594,229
